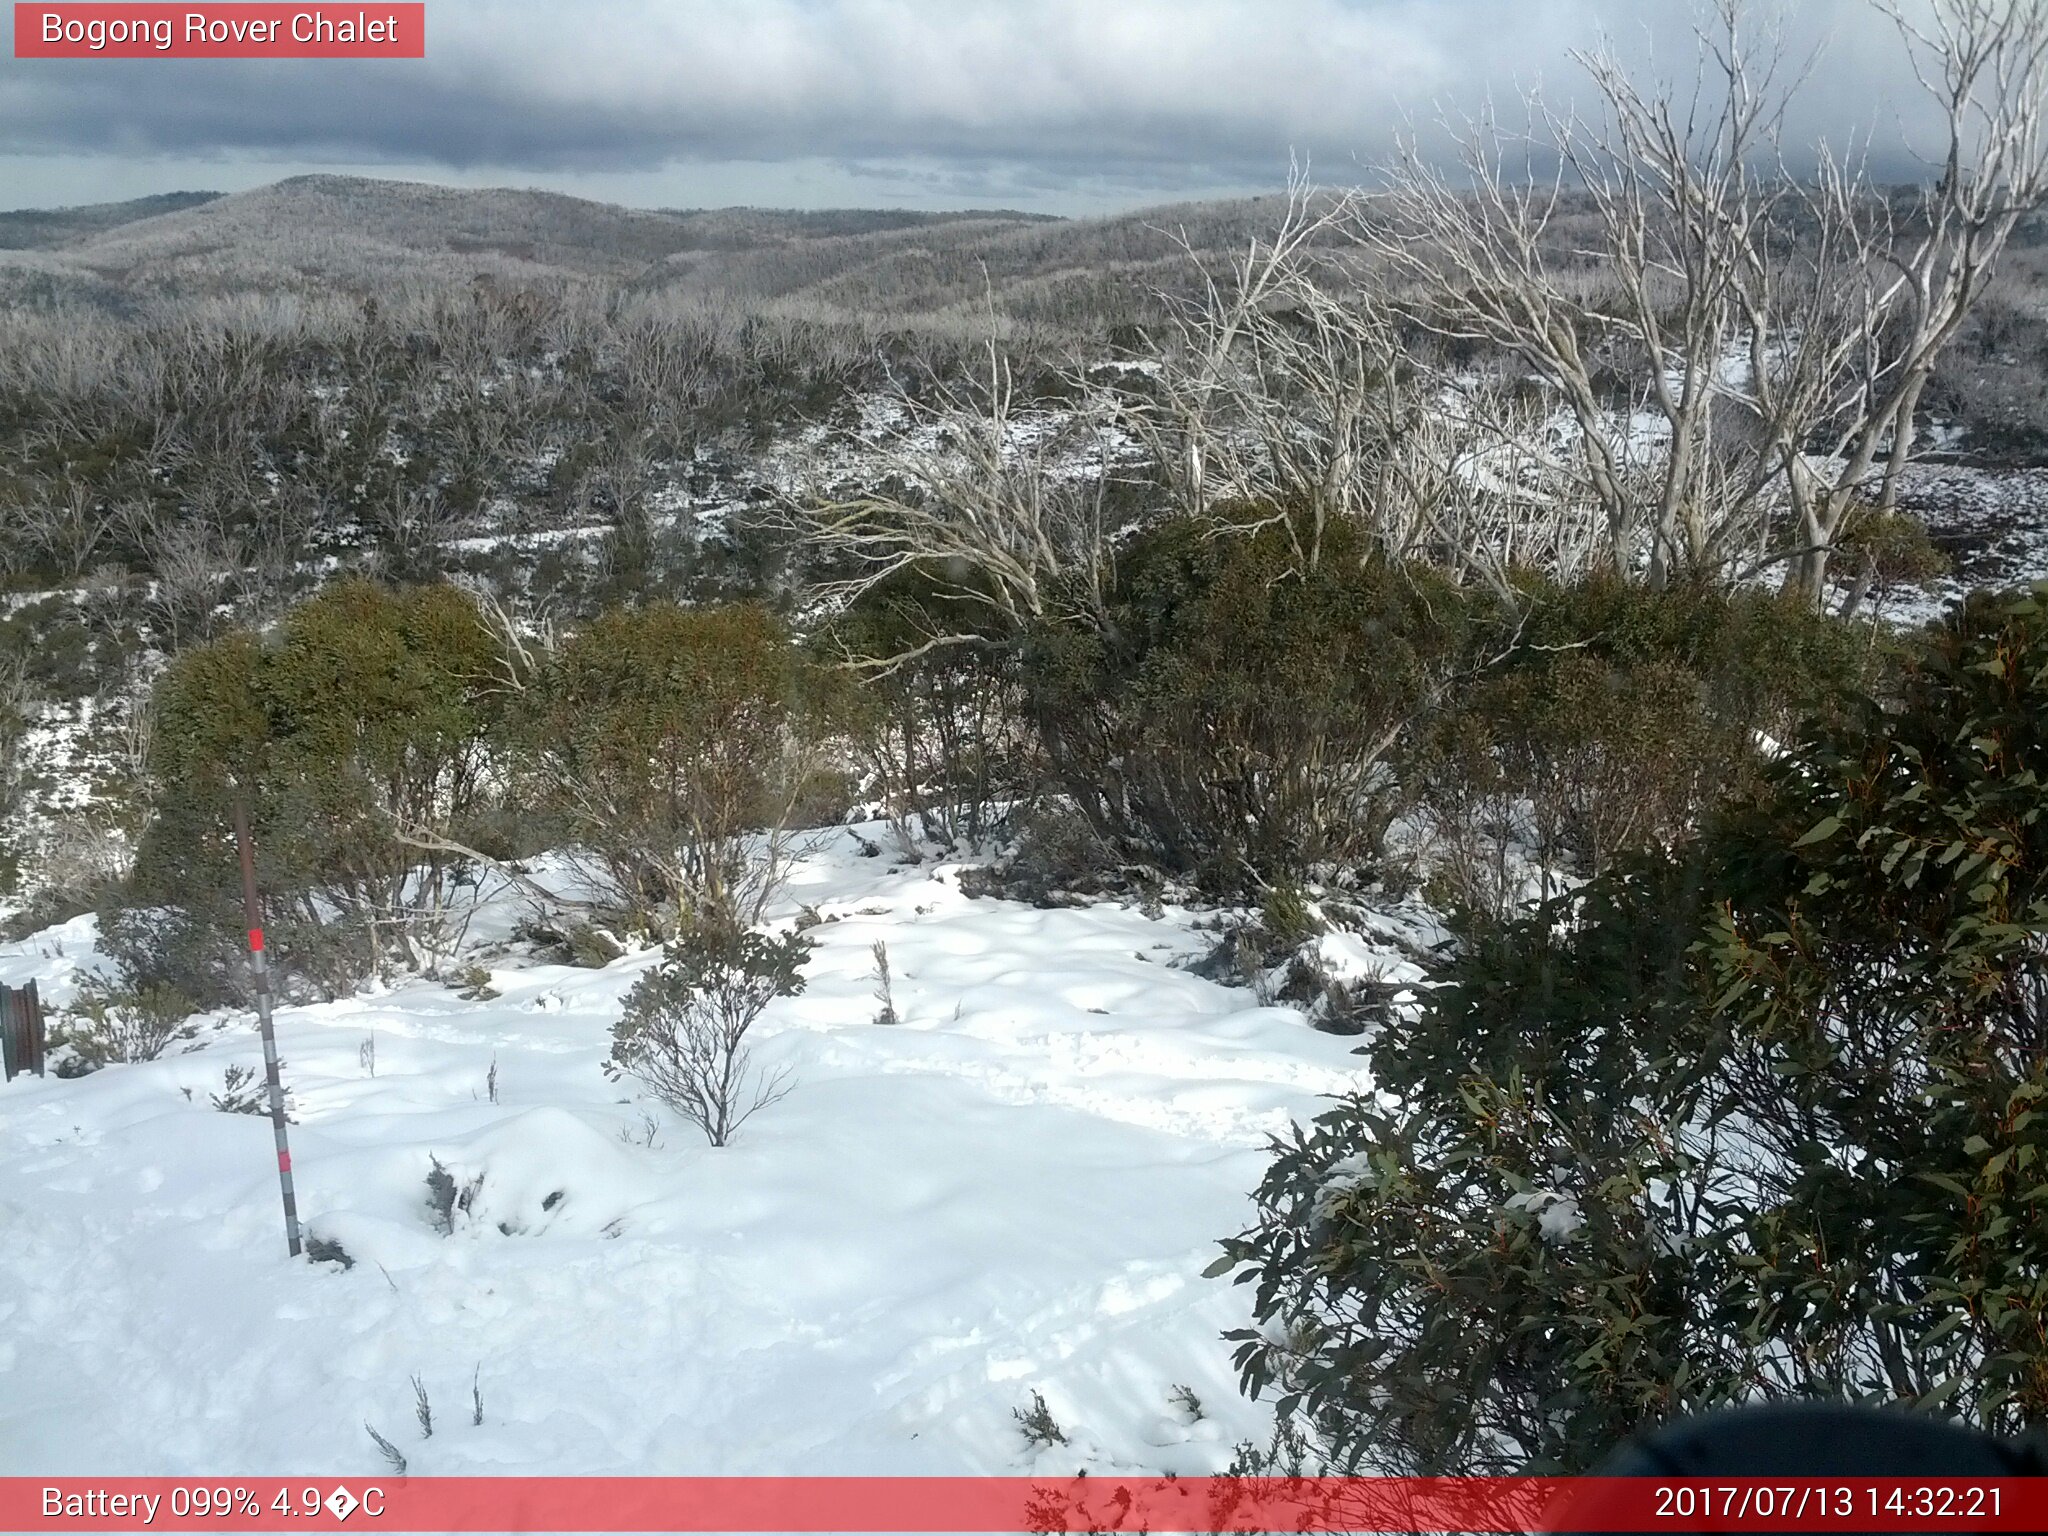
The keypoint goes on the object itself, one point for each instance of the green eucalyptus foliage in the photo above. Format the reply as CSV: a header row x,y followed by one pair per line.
x,y
1755,1117
1236,719
662,740
1242,718
1616,717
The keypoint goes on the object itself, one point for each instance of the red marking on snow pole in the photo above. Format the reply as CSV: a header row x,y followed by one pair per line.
x,y
253,915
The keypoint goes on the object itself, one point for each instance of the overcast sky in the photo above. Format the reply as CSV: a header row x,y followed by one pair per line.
x,y
1062,106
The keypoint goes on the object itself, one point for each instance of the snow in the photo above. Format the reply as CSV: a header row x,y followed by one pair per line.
x,y
1558,1216
1354,957
1014,1190
1992,523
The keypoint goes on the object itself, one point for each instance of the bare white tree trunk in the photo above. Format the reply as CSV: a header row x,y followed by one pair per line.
x,y
1784,325
984,503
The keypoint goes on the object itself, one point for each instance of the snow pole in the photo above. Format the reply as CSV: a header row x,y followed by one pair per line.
x,y
261,964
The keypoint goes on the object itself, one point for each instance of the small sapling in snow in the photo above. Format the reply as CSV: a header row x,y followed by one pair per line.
x,y
242,1093
1041,1429
884,993
684,1031
473,984
392,1453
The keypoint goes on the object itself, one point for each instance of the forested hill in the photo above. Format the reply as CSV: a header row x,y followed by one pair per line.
x,y
314,234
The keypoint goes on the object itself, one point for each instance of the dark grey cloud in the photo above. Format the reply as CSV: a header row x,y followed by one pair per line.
x,y
1160,95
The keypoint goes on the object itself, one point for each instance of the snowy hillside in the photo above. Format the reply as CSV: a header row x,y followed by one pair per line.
x,y
1014,1190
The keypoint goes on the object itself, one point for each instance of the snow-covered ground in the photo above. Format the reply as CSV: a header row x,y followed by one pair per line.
x,y
1014,1190
1992,524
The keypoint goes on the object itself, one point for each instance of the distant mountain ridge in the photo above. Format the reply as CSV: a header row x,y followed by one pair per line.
x,y
37,228
323,234
358,232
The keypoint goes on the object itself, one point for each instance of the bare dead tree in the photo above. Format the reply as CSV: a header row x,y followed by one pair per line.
x,y
191,562
1673,192
1266,387
62,524
522,642
1284,395
17,710
615,491
274,545
1784,326
1472,474
411,527
983,497
1984,66
129,741
666,367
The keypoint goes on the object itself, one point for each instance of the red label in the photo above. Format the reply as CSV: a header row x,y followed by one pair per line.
x,y
1004,1504
255,940
284,1162
215,31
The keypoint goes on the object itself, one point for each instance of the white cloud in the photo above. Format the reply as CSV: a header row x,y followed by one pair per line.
x,y
1161,93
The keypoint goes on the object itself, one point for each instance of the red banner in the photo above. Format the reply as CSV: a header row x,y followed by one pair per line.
x,y
998,1504
215,31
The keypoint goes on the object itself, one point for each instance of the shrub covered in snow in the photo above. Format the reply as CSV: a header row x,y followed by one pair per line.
x,y
684,1031
1760,1116
445,1199
109,1024
1041,1430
